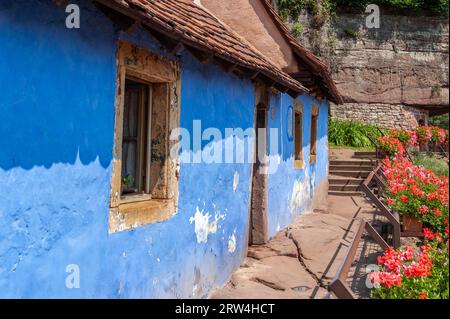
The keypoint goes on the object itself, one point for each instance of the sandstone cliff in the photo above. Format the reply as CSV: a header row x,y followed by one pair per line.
x,y
403,62
402,66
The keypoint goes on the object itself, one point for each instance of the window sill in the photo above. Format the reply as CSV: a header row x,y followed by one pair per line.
x,y
299,164
139,210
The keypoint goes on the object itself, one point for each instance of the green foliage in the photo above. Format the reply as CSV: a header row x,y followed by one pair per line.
x,y
438,166
351,134
297,29
293,8
128,181
434,286
351,33
440,121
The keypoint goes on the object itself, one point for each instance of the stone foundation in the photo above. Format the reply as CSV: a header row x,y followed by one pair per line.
x,y
382,115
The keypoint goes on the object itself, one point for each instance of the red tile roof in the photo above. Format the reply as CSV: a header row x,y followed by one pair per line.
x,y
194,26
312,61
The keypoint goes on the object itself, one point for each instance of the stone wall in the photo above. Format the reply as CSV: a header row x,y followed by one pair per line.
x,y
383,115
386,75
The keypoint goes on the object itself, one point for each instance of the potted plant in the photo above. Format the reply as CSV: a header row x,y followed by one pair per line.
x,y
390,146
128,185
414,272
417,194
411,224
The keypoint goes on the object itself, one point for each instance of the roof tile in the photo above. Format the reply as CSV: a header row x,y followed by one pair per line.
x,y
193,24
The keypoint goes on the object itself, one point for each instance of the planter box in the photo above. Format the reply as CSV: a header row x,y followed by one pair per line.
x,y
411,224
423,148
382,154
435,147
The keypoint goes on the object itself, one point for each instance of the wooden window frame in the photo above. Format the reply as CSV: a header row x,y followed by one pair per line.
x,y
140,65
298,136
314,133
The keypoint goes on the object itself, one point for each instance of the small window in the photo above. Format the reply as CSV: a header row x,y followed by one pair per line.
x,y
298,136
313,141
298,122
144,181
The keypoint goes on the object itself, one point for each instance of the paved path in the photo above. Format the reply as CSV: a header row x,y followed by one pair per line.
x,y
301,260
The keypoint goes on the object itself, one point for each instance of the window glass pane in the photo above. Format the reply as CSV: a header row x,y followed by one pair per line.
x,y
130,139
314,135
298,136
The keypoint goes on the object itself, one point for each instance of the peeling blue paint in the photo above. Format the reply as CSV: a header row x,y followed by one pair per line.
x,y
57,106
57,109
290,191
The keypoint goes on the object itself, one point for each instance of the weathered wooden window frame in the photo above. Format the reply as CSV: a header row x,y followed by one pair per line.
x,y
138,64
314,133
298,136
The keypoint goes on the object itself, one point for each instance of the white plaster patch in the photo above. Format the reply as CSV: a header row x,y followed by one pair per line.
x,y
232,243
274,161
235,181
299,195
203,226
194,290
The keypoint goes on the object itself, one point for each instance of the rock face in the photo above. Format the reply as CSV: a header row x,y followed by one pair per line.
x,y
400,67
403,62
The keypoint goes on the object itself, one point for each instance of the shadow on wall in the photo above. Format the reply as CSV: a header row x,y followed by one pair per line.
x,y
58,86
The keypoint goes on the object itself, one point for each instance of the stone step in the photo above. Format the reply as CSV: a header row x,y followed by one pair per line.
x,y
353,162
344,188
352,174
348,194
350,168
365,155
339,180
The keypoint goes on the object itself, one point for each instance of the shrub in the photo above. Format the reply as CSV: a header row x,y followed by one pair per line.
x,y
351,134
434,134
407,137
391,145
412,273
417,192
438,166
293,8
440,120
437,7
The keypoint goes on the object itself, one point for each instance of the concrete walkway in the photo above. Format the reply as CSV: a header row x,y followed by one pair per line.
x,y
299,262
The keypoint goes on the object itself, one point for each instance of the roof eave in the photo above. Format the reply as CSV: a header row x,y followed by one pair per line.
x,y
293,89
317,65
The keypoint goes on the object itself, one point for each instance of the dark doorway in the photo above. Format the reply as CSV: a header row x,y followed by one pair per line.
x,y
258,209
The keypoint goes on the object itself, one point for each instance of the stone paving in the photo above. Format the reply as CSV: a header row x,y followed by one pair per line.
x,y
300,261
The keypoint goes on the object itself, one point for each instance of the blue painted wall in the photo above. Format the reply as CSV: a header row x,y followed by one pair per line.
x,y
291,191
56,137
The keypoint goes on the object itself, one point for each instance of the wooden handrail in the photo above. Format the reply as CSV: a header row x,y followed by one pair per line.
x,y
338,285
392,217
443,151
